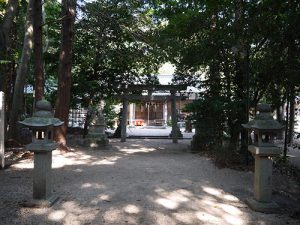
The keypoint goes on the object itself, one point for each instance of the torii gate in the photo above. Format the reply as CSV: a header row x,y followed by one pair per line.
x,y
150,88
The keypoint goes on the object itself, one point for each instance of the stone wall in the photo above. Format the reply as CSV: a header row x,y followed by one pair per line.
x,y
2,125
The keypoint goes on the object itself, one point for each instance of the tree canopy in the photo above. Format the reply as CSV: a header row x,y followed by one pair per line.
x,y
238,52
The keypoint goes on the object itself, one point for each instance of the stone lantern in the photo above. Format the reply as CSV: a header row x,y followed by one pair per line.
x,y
41,125
265,129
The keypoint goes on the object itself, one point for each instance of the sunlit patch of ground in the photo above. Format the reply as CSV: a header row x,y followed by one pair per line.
x,y
138,182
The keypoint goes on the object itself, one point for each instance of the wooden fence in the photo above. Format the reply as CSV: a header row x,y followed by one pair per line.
x,y
77,117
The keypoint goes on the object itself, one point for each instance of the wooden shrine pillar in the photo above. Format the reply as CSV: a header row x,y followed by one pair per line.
x,y
124,118
174,117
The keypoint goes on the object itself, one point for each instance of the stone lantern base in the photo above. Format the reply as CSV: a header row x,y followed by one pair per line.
x,y
96,136
42,176
264,207
41,203
262,200
96,141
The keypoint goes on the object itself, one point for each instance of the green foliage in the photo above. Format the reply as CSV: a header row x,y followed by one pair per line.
x,y
109,112
237,52
51,29
113,47
208,115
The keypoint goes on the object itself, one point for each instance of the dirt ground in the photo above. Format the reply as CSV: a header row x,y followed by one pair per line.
x,y
139,182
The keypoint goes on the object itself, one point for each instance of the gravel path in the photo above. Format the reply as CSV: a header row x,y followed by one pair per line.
x,y
139,182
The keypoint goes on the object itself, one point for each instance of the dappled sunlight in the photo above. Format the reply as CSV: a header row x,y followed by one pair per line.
x,y
230,198
137,150
104,197
233,220
209,201
172,200
93,185
106,161
184,217
136,145
219,208
131,209
167,203
161,218
75,213
230,209
40,211
139,183
211,206
24,164
208,218
112,215
215,214
212,191
57,215
60,159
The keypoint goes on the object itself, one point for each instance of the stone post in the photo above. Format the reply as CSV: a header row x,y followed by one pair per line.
x,y
2,129
174,118
124,119
42,177
262,201
263,179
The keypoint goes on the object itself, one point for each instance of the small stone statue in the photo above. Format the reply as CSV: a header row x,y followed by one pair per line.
x,y
96,136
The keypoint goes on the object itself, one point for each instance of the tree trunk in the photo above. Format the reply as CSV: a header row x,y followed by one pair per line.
x,y
292,115
38,50
279,118
5,43
234,137
285,148
64,70
242,73
18,95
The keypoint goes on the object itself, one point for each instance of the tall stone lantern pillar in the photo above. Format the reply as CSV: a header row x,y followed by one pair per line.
x,y
41,125
265,129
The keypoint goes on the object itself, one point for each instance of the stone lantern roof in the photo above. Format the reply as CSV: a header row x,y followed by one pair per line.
x,y
264,120
42,117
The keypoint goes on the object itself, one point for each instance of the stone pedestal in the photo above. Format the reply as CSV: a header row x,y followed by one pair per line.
x,y
262,201
96,140
42,176
96,136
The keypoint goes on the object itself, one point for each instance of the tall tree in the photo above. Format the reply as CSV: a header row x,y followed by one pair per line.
x,y
242,71
38,50
22,70
6,24
68,10
118,51
241,49
5,40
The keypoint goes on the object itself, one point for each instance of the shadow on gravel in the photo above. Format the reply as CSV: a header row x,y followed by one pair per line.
x,y
137,182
